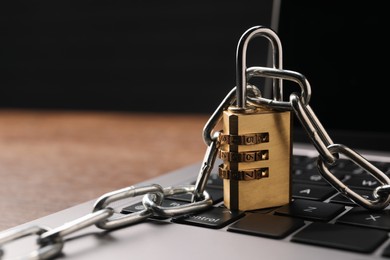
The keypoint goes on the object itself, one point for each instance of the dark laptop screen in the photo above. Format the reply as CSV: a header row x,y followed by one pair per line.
x,y
341,48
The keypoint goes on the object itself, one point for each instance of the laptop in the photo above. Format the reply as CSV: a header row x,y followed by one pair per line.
x,y
339,49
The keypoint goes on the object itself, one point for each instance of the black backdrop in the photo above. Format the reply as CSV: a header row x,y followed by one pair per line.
x,y
159,56
179,56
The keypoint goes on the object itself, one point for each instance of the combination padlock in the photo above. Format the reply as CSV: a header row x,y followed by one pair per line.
x,y
255,142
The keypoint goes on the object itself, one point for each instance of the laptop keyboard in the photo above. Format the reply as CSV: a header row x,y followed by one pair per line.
x,y
318,215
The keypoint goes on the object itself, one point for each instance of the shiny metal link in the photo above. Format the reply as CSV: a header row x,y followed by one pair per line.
x,y
216,116
379,202
294,76
45,250
206,167
51,241
329,154
328,151
88,220
105,200
313,128
380,191
150,203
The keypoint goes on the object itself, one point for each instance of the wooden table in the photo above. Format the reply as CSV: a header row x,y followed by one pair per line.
x,y
52,160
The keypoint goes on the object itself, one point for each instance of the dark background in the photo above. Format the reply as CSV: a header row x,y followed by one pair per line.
x,y
155,56
342,48
179,56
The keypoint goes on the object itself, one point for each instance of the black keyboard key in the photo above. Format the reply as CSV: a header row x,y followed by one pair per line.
x,y
364,181
133,208
216,217
139,206
298,159
216,195
352,238
340,198
266,225
308,176
311,210
363,217
386,251
347,168
214,181
383,166
344,165
351,168
263,211
313,176
303,161
312,192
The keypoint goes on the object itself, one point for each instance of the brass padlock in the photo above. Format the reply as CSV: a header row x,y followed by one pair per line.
x,y
255,143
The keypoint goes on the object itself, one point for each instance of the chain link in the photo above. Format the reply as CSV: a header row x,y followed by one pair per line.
x,y
104,201
380,201
167,212
329,153
206,167
50,242
280,74
45,251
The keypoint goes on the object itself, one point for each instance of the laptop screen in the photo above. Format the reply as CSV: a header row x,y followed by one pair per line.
x,y
341,49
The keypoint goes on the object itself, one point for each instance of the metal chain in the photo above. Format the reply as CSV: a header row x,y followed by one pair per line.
x,y
50,242
329,153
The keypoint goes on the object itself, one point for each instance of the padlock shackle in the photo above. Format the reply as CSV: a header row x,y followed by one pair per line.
x,y
241,77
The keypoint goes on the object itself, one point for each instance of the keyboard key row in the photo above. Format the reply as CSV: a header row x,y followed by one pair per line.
x,y
317,215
